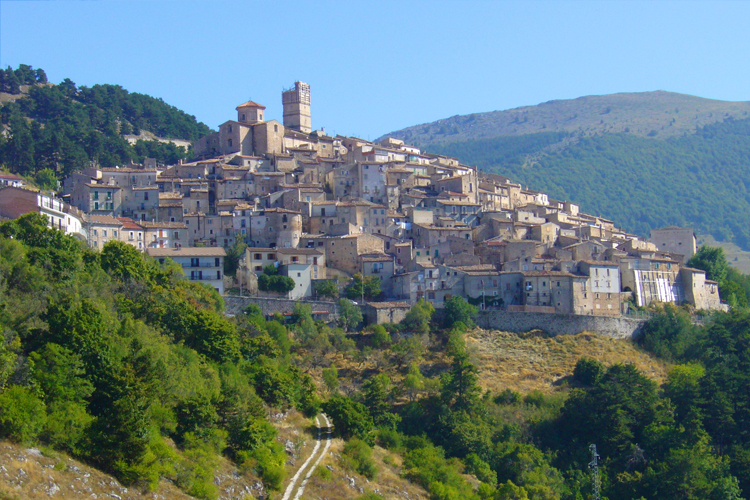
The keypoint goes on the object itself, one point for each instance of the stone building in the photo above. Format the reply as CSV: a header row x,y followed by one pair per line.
x,y
204,265
296,103
675,240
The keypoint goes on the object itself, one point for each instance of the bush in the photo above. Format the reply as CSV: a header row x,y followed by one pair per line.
x,y
323,473
534,398
270,467
357,455
389,439
349,418
508,397
380,337
457,310
588,371
22,415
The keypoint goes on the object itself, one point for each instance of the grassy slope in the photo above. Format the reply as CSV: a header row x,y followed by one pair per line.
x,y
669,114
533,361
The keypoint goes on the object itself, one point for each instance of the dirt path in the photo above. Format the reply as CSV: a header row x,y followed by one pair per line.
x,y
290,489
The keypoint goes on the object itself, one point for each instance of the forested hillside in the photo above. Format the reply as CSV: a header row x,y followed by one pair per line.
x,y
65,127
127,365
699,180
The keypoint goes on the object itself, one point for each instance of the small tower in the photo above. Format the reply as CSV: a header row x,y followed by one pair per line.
x,y
250,112
296,103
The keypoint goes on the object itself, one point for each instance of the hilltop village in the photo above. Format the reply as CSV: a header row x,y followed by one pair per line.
x,y
317,208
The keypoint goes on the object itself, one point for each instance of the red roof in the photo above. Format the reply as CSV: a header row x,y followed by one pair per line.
x,y
251,104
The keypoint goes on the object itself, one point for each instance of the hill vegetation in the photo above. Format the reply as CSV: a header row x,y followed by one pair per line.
x,y
700,180
65,127
126,365
657,114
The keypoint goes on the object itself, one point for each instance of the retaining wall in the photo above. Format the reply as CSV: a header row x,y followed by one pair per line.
x,y
560,324
234,305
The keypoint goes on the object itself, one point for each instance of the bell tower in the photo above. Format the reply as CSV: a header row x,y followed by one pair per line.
x,y
296,103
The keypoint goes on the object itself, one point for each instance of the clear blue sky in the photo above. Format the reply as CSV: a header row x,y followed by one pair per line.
x,y
379,66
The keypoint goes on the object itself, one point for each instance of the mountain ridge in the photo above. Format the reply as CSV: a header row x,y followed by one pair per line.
x,y
657,114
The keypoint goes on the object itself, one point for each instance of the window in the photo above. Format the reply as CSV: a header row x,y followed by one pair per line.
x,y
194,262
145,196
257,256
104,233
271,256
217,262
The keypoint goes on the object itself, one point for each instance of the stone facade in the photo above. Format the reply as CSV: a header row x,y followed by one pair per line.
x,y
560,324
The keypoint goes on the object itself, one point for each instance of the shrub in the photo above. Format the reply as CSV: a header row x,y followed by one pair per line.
x,y
389,439
380,337
323,473
534,398
357,455
22,414
349,417
588,371
508,397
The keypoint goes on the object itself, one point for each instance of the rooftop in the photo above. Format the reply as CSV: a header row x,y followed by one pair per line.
x,y
251,104
187,252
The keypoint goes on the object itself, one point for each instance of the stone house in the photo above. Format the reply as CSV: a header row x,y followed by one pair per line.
x,y
385,312
275,227
204,265
675,240
342,252
164,234
101,229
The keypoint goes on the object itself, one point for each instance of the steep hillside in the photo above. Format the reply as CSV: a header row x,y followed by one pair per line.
x,y
643,160
657,114
64,127
700,180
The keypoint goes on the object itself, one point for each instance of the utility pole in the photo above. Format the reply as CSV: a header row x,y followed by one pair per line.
x,y
594,466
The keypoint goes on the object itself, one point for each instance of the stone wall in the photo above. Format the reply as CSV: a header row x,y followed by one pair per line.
x,y
560,324
234,305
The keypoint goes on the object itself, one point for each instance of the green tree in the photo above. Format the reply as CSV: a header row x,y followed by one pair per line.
x,y
376,394
22,415
380,337
457,310
418,318
327,288
367,287
460,385
349,418
413,382
60,374
46,179
588,371
234,254
331,378
713,261
350,315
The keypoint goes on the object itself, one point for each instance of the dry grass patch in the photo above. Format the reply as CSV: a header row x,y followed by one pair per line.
x,y
344,484
535,361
